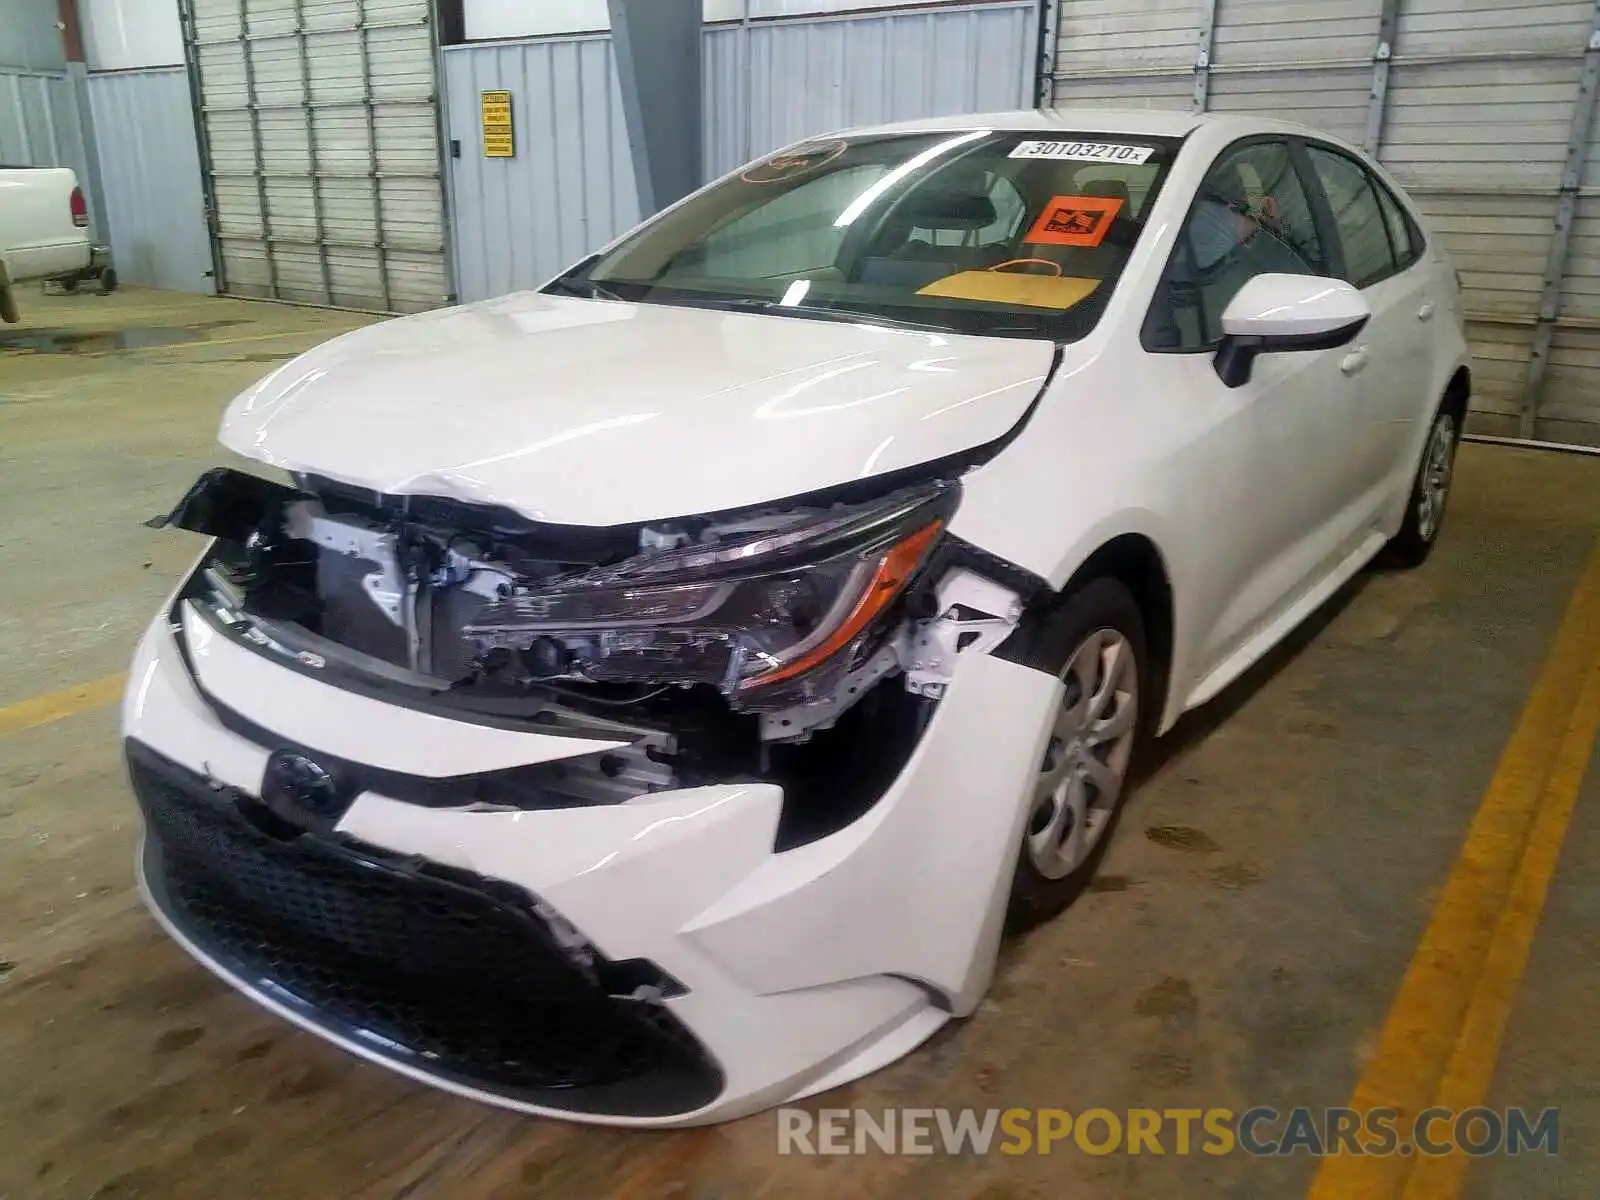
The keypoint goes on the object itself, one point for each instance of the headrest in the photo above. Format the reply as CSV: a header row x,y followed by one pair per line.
x,y
941,208
1115,189
1227,187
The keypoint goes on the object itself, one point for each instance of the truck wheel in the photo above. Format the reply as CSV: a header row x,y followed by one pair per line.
x,y
68,285
108,281
9,312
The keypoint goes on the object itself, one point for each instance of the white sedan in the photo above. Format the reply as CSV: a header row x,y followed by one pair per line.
x,y
648,699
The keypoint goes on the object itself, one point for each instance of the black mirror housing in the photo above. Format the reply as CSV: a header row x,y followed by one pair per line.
x,y
1236,356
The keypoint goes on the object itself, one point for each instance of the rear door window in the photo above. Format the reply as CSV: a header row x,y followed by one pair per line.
x,y
1404,236
1363,233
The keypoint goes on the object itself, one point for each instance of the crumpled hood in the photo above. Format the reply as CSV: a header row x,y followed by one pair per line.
x,y
589,412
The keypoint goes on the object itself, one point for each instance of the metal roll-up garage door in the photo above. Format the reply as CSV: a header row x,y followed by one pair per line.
x,y
1482,108
1481,104
321,150
1301,60
1125,52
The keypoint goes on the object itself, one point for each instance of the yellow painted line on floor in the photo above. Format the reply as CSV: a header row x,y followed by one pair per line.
x,y
68,702
1435,1047
1471,1071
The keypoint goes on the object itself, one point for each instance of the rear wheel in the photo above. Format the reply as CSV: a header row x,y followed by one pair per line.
x,y
108,281
1094,642
1429,493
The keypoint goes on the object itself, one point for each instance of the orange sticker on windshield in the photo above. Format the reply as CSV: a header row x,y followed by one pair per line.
x,y
796,161
1075,220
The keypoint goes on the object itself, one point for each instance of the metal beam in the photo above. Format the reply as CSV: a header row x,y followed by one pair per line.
x,y
1382,58
657,44
258,155
202,138
1555,268
380,239
94,180
318,217
361,26
1044,85
82,116
1530,444
302,174
1202,54
295,106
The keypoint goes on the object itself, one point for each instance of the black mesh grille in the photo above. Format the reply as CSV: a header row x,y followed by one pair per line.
x,y
439,969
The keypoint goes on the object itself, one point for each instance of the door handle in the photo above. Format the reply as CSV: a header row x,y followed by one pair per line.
x,y
1354,362
1425,313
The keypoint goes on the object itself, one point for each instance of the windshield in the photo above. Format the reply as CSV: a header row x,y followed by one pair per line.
x,y
1013,234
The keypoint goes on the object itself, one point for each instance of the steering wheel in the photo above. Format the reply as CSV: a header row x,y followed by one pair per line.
x,y
1055,267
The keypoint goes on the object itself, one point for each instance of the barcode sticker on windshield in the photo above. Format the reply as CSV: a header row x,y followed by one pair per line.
x,y
1109,152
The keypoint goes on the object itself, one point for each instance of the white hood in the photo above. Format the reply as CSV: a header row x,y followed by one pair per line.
x,y
587,412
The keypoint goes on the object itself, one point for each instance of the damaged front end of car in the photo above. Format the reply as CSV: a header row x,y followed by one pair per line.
x,y
803,643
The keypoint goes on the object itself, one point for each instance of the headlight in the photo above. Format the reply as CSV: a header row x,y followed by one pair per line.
x,y
773,617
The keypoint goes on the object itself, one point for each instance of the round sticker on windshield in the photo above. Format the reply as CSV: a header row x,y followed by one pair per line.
x,y
798,160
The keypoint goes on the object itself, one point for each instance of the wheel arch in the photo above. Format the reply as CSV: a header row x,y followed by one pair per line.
x,y
1137,562
1457,395
1134,560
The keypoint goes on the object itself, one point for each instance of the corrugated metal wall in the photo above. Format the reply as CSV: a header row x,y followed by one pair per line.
x,y
774,83
150,170
28,35
1470,103
519,221
38,120
570,187
322,149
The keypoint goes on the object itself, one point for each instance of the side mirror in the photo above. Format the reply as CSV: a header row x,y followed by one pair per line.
x,y
1274,314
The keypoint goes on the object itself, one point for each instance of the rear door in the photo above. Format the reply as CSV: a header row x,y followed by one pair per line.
x,y
1391,355
1429,297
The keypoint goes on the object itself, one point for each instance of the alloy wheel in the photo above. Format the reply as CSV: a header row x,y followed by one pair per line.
x,y
1434,486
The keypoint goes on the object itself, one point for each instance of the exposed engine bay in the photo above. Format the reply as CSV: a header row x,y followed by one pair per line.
x,y
755,644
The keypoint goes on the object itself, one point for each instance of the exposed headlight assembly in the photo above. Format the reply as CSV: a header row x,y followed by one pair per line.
x,y
773,617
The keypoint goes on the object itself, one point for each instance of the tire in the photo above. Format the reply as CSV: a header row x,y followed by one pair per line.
x,y
108,281
1430,493
1094,636
9,312
68,285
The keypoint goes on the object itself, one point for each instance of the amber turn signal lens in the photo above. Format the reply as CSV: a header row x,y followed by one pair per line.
x,y
893,572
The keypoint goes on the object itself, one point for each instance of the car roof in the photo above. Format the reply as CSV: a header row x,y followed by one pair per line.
x,y
1089,118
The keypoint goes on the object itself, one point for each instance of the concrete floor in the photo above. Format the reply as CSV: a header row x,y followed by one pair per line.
x,y
1241,947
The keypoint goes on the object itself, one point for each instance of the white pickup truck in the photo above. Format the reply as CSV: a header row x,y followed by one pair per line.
x,y
44,229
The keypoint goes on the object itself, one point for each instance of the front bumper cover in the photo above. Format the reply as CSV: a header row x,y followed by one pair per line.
x,y
760,976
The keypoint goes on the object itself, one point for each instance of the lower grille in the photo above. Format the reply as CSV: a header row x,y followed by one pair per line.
x,y
437,969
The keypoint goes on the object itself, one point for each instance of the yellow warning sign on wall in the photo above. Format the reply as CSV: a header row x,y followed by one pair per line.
x,y
498,139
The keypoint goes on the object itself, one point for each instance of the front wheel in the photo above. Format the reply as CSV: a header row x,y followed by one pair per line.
x,y
1429,493
1094,642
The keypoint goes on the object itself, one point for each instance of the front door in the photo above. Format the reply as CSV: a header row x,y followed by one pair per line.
x,y
1278,473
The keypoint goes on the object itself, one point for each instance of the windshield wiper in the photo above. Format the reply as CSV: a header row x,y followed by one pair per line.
x,y
848,316
569,286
